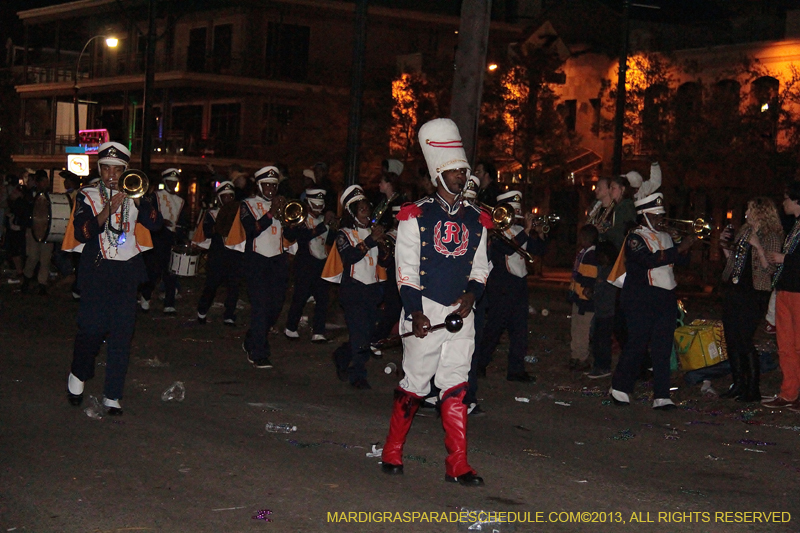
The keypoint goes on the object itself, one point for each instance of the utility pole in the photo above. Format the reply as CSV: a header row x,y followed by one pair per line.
x,y
473,40
619,115
149,79
356,93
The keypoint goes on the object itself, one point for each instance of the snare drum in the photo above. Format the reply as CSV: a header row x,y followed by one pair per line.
x,y
50,217
184,261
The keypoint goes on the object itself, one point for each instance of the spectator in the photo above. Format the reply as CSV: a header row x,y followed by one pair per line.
x,y
584,274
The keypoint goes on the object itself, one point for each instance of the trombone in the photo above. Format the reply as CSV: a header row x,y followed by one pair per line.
x,y
503,215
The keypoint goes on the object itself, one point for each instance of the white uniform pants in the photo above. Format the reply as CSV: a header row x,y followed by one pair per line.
x,y
442,354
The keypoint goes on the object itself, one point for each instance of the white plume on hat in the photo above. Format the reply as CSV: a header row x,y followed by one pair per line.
x,y
441,145
271,175
308,173
634,178
395,166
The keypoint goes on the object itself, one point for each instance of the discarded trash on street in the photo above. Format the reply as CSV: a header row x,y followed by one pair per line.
x,y
565,404
262,515
279,428
480,520
176,392
522,399
531,359
376,452
624,434
94,410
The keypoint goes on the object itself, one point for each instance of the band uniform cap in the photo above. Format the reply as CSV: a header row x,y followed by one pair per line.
x,y
651,204
308,173
442,147
510,196
352,194
171,174
394,166
634,178
225,187
315,194
268,174
113,153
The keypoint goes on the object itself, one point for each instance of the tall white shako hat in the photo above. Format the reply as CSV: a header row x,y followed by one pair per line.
x,y
268,174
513,198
171,174
442,147
225,187
114,154
651,204
309,173
315,198
353,193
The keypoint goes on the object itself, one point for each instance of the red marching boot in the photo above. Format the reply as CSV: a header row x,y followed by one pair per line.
x,y
403,410
454,421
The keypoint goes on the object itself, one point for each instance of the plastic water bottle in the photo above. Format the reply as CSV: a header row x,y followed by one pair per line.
x,y
176,392
390,368
279,428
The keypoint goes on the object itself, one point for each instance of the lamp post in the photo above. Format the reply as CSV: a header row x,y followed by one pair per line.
x,y
111,42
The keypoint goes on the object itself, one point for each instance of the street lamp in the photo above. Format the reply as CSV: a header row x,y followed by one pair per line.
x,y
111,42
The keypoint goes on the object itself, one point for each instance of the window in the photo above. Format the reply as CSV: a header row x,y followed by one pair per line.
x,y
187,124
596,116
223,36
654,116
196,55
287,51
570,114
688,106
275,119
224,128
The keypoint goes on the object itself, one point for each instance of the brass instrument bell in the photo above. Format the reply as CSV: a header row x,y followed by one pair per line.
x,y
292,213
133,184
699,227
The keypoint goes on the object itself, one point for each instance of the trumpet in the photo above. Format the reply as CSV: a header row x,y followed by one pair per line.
x,y
292,213
133,184
546,222
699,227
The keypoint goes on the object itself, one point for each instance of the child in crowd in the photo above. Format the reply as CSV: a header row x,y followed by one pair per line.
x,y
604,298
584,274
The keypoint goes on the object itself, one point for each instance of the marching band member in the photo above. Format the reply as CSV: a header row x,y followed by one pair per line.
x,y
224,265
170,204
313,239
442,266
111,230
259,234
644,270
357,263
507,292
385,214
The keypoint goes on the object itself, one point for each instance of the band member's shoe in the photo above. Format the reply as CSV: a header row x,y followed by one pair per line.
x,y
523,377
619,398
316,338
201,319
229,322
339,357
470,479
474,410
291,335
376,351
169,311
779,403
74,390
770,329
264,362
664,404
454,422
112,407
144,305
404,408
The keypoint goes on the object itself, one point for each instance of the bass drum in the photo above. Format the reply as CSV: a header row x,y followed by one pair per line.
x,y
184,261
50,217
